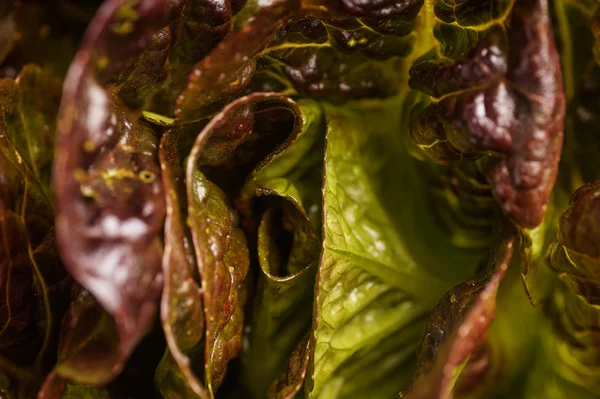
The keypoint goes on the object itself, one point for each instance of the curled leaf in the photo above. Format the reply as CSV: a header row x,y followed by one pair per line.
x,y
283,193
504,101
234,143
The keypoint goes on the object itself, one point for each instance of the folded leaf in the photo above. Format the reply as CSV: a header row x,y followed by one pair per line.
x,y
286,190
233,143
228,149
108,190
503,100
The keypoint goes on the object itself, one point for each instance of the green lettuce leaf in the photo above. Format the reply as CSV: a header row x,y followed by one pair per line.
x,y
370,306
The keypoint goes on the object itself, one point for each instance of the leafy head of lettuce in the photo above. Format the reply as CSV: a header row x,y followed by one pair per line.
x,y
299,199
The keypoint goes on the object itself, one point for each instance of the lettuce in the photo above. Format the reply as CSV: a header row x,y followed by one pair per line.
x,y
285,199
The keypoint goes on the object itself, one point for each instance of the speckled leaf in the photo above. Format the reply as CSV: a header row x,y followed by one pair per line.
x,y
505,100
287,193
223,262
107,185
370,303
453,345
235,142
